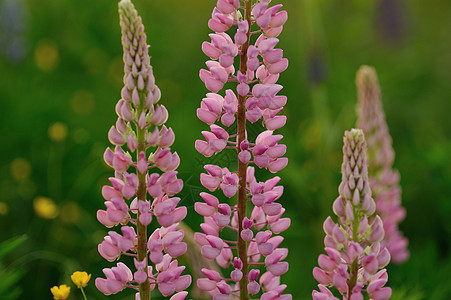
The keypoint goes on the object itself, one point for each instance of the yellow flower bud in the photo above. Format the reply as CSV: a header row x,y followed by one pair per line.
x,y
80,279
61,292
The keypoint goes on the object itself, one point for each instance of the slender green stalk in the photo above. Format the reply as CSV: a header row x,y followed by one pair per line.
x,y
144,288
242,167
353,278
354,265
83,292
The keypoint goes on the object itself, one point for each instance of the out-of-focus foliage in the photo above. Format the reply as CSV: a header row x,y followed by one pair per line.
x,y
10,273
57,103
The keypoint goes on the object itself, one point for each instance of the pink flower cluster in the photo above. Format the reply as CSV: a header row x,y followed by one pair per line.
x,y
384,179
355,255
167,276
140,127
263,101
255,256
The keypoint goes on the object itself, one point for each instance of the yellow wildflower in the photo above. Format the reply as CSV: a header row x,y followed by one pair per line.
x,y
4,208
46,56
61,292
58,132
70,212
20,169
80,279
83,102
45,207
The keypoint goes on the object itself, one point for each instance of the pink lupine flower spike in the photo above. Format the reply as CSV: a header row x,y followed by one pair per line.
x,y
257,260
136,196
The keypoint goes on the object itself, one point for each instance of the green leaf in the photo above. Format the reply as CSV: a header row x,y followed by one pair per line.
x,y
8,280
10,245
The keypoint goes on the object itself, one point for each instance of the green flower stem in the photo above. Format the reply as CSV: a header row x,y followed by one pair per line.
x,y
242,167
353,278
355,238
83,292
144,288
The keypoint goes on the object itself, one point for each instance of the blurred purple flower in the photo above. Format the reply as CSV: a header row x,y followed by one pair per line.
x,y
13,21
391,20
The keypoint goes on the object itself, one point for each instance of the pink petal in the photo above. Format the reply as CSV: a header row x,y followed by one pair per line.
x,y
180,296
204,209
101,286
166,288
276,122
210,50
278,164
176,250
217,26
182,283
210,252
206,284
280,225
279,268
321,276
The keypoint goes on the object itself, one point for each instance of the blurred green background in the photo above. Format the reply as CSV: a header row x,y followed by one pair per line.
x,y
61,75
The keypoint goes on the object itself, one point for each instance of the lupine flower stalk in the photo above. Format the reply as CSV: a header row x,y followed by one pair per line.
x,y
253,251
144,183
355,255
383,178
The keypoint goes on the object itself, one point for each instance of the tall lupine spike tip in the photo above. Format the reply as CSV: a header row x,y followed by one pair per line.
x,y
124,3
366,75
384,179
355,135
